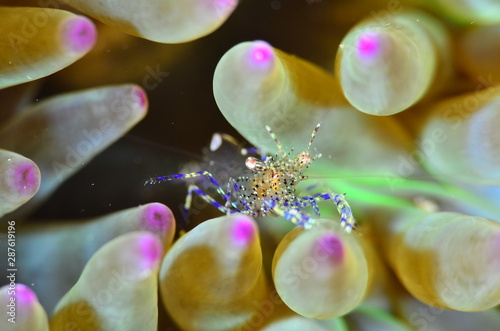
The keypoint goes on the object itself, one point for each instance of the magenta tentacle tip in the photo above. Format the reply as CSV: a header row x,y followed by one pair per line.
x,y
24,294
24,178
141,97
151,250
243,231
368,46
79,34
261,55
330,245
156,217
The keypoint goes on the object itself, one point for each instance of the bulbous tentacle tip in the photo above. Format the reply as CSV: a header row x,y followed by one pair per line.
x,y
22,179
157,217
79,34
243,231
330,245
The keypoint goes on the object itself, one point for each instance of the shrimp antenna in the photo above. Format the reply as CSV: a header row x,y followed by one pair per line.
x,y
313,135
276,141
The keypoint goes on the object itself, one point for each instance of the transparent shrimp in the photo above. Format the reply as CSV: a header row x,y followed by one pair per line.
x,y
269,189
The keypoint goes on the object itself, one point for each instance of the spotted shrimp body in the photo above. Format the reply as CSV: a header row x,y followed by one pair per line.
x,y
270,188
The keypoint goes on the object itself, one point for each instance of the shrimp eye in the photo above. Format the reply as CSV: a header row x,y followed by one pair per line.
x,y
251,163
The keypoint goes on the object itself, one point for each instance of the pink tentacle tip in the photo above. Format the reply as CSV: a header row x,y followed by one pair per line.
x,y
261,55
151,250
79,34
224,6
24,178
368,46
330,246
140,97
24,295
243,231
156,217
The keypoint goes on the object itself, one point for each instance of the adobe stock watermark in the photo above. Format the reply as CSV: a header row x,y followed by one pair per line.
x,y
263,311
309,265
29,28
293,278
12,271
210,190
457,115
380,18
95,138
427,314
196,205
154,77
279,120
84,313
31,25
53,4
